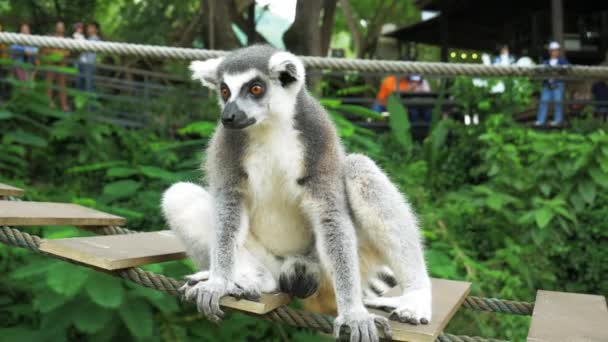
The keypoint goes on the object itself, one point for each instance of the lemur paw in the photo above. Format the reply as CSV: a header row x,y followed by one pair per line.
x,y
412,307
299,277
361,325
207,294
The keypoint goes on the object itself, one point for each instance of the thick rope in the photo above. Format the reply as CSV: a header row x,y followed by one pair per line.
x,y
283,314
498,305
456,338
343,64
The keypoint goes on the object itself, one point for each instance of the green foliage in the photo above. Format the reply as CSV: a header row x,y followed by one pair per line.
x,y
503,206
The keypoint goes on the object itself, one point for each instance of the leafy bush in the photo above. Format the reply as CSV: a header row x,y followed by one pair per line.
x,y
508,208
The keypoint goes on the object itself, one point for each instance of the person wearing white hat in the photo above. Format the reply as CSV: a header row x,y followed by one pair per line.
x,y
553,89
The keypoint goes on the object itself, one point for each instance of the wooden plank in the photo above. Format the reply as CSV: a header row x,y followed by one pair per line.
x,y
14,213
7,190
266,303
113,252
572,317
448,296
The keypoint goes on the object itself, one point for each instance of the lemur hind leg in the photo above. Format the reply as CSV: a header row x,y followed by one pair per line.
x,y
385,221
300,276
189,211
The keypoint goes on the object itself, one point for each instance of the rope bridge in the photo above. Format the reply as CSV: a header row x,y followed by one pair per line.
x,y
14,212
341,64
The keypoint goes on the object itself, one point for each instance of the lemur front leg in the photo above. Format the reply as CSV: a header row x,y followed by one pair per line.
x,y
387,222
191,213
337,246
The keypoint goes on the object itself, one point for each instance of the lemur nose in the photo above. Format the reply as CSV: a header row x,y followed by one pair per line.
x,y
229,118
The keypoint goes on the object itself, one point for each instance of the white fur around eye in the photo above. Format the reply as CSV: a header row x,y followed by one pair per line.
x,y
236,81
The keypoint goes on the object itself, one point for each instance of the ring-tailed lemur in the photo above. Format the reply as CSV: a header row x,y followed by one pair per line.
x,y
286,208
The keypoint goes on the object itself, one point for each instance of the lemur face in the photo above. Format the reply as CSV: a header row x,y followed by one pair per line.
x,y
256,85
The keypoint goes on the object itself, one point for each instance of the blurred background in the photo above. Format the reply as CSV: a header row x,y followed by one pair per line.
x,y
508,175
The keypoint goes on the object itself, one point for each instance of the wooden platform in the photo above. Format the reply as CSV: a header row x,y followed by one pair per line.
x,y
571,317
7,190
13,213
448,296
113,252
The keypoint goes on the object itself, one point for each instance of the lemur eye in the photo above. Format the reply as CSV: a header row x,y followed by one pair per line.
x,y
225,92
256,89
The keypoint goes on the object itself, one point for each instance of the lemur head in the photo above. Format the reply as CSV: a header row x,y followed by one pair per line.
x,y
256,84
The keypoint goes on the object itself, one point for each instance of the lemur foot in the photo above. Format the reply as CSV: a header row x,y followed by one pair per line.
x,y
207,294
300,277
412,307
362,326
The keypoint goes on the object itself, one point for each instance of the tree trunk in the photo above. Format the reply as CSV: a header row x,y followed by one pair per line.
x,y
220,32
304,35
329,14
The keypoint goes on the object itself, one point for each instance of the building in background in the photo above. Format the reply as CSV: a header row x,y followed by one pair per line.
x,y
580,26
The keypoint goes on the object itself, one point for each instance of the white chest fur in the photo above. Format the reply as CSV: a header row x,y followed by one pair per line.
x,y
274,162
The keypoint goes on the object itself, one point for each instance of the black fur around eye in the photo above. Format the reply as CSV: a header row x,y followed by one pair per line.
x,y
256,89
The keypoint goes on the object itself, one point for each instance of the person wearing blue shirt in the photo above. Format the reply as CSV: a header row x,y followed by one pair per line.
x,y
23,54
504,58
553,89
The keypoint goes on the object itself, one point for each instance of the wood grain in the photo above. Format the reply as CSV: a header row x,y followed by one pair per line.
x,y
448,296
13,213
571,317
113,252
8,190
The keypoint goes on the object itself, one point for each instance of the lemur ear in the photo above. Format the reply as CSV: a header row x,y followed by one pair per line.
x,y
206,71
287,68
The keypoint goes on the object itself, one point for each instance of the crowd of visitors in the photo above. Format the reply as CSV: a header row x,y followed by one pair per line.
x,y
551,95
26,58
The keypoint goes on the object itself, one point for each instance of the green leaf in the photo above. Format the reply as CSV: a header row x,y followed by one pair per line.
x,y
137,316
399,122
121,189
93,318
47,300
202,128
26,138
67,279
587,190
95,167
543,216
5,114
158,173
599,177
105,290
121,172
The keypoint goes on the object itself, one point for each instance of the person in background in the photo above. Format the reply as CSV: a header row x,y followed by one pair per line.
x,y
87,59
23,54
390,85
553,89
79,35
600,94
59,59
419,113
504,58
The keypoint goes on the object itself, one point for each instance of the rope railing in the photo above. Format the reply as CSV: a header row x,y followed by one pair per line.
x,y
284,314
342,64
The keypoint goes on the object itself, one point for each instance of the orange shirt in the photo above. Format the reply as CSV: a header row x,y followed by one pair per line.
x,y
389,86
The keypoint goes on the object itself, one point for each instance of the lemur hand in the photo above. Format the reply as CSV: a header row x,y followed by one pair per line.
x,y
207,295
362,326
